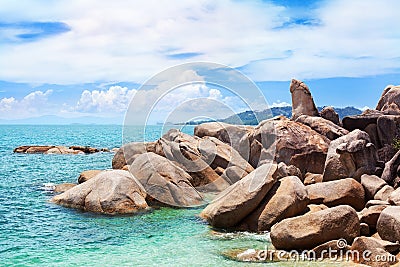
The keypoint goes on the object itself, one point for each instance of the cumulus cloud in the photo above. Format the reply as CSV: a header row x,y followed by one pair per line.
x,y
130,40
35,103
114,100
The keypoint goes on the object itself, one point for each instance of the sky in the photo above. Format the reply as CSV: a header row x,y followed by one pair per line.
x,y
90,58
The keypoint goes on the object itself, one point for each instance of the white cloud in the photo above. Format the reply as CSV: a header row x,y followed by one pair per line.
x,y
279,104
35,103
131,40
114,100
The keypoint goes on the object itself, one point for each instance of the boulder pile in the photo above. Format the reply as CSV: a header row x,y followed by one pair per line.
x,y
312,181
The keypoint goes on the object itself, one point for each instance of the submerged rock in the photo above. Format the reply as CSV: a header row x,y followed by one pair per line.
x,y
58,150
110,192
313,229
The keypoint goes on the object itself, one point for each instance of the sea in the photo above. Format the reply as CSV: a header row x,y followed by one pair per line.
x,y
35,232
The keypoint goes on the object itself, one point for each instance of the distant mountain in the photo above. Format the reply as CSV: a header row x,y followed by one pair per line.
x,y
252,118
57,120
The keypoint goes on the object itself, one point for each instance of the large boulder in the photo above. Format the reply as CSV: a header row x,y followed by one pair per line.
x,y
340,192
388,129
128,152
389,103
370,215
227,133
282,140
361,121
394,197
288,198
165,183
330,114
110,192
376,256
372,184
391,172
87,175
237,201
205,159
323,126
384,193
302,101
313,229
351,155
388,224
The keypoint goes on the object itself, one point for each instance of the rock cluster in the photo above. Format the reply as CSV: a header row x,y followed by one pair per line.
x,y
312,181
59,150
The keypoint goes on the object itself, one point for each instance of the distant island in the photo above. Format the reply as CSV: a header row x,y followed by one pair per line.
x,y
254,117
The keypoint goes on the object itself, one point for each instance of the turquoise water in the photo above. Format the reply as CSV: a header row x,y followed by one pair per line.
x,y
34,232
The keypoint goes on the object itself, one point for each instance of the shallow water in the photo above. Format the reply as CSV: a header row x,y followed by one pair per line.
x,y
35,232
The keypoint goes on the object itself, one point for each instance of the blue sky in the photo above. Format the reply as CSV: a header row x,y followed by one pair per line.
x,y
88,58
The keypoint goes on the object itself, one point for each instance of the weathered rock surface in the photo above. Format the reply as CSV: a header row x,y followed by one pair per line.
x,y
312,178
376,251
388,224
165,182
335,246
351,155
282,140
287,198
111,192
394,197
313,229
302,101
370,215
330,114
234,135
61,188
372,184
87,175
285,170
341,192
384,193
322,126
389,103
128,152
360,122
233,204
374,202
391,172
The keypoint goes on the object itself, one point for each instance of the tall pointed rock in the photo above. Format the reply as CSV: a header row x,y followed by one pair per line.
x,y
302,101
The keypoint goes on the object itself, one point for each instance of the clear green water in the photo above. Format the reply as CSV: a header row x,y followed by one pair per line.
x,y
34,232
